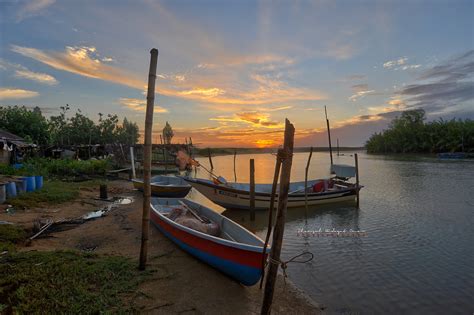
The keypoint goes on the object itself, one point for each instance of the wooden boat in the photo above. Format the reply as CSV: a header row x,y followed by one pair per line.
x,y
237,195
235,251
165,186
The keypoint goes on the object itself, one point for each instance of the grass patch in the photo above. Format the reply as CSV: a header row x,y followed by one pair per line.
x,y
10,235
53,192
69,282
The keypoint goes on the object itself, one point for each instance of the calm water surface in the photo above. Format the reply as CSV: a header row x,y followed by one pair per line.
x,y
418,254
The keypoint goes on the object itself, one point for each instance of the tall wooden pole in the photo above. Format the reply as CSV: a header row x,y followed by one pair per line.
x,y
287,159
329,134
337,146
252,190
357,177
150,99
306,180
235,173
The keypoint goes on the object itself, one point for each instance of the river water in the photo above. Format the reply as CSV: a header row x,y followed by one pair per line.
x,y
417,256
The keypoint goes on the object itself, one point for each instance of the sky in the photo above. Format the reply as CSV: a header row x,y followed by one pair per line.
x,y
230,72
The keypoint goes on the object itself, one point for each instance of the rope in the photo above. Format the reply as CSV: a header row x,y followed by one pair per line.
x,y
284,264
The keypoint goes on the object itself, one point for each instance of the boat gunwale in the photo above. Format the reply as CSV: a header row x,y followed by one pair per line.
x,y
214,239
138,181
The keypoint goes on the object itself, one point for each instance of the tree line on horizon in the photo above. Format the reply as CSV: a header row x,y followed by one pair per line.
x,y
410,134
78,129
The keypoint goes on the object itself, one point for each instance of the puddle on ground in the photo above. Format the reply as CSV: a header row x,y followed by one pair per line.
x,y
99,213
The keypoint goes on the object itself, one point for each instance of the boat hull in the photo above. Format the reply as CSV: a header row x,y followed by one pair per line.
x,y
164,191
230,198
241,264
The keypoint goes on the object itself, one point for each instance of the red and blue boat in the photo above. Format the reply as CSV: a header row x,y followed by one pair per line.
x,y
234,251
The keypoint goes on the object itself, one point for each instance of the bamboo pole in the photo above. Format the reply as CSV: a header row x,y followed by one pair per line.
x,y
279,230
150,99
337,146
210,158
329,134
306,180
356,158
252,190
235,173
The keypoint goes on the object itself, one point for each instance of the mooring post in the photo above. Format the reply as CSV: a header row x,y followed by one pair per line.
x,y
329,134
210,158
306,181
287,158
132,161
337,146
235,174
270,212
150,100
252,190
357,177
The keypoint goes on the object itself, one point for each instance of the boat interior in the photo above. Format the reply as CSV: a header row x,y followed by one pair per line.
x,y
229,230
168,181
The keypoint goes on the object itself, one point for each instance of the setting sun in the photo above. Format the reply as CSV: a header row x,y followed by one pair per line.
x,y
264,143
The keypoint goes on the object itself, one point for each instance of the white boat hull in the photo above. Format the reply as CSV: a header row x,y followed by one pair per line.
x,y
239,199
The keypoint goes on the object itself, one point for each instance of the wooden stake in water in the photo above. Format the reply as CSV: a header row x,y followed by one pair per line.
x,y
306,181
357,177
235,173
210,158
252,190
337,146
150,99
287,158
329,134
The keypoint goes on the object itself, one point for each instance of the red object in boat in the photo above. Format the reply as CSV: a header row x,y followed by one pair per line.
x,y
318,187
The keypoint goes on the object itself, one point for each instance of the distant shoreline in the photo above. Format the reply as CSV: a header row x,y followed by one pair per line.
x,y
230,151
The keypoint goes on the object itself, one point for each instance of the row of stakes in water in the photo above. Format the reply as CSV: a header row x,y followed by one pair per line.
x,y
19,186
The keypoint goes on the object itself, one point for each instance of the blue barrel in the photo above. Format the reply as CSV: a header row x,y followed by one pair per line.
x,y
39,182
30,183
21,186
3,193
11,190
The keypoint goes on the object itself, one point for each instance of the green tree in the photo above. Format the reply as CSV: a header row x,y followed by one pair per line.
x,y
28,124
167,133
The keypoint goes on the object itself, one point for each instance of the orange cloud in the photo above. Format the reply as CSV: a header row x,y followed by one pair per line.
x,y
7,93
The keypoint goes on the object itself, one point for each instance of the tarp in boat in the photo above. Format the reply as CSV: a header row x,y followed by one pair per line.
x,y
342,170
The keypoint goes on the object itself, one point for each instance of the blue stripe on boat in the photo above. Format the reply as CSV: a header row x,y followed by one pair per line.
x,y
244,274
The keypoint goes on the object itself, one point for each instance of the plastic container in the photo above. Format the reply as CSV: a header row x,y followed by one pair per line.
x,y
20,186
39,182
3,193
30,183
11,190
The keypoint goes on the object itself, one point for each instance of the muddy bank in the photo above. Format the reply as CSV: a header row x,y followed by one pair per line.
x,y
180,283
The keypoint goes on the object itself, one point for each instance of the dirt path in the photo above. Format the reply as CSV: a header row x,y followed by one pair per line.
x,y
180,283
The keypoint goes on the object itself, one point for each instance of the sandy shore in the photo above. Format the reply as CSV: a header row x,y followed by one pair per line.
x,y
180,283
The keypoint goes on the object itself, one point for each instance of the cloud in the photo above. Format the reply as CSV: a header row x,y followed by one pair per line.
x,y
392,63
36,76
85,61
12,93
81,60
443,86
360,90
32,8
139,105
400,64
253,118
